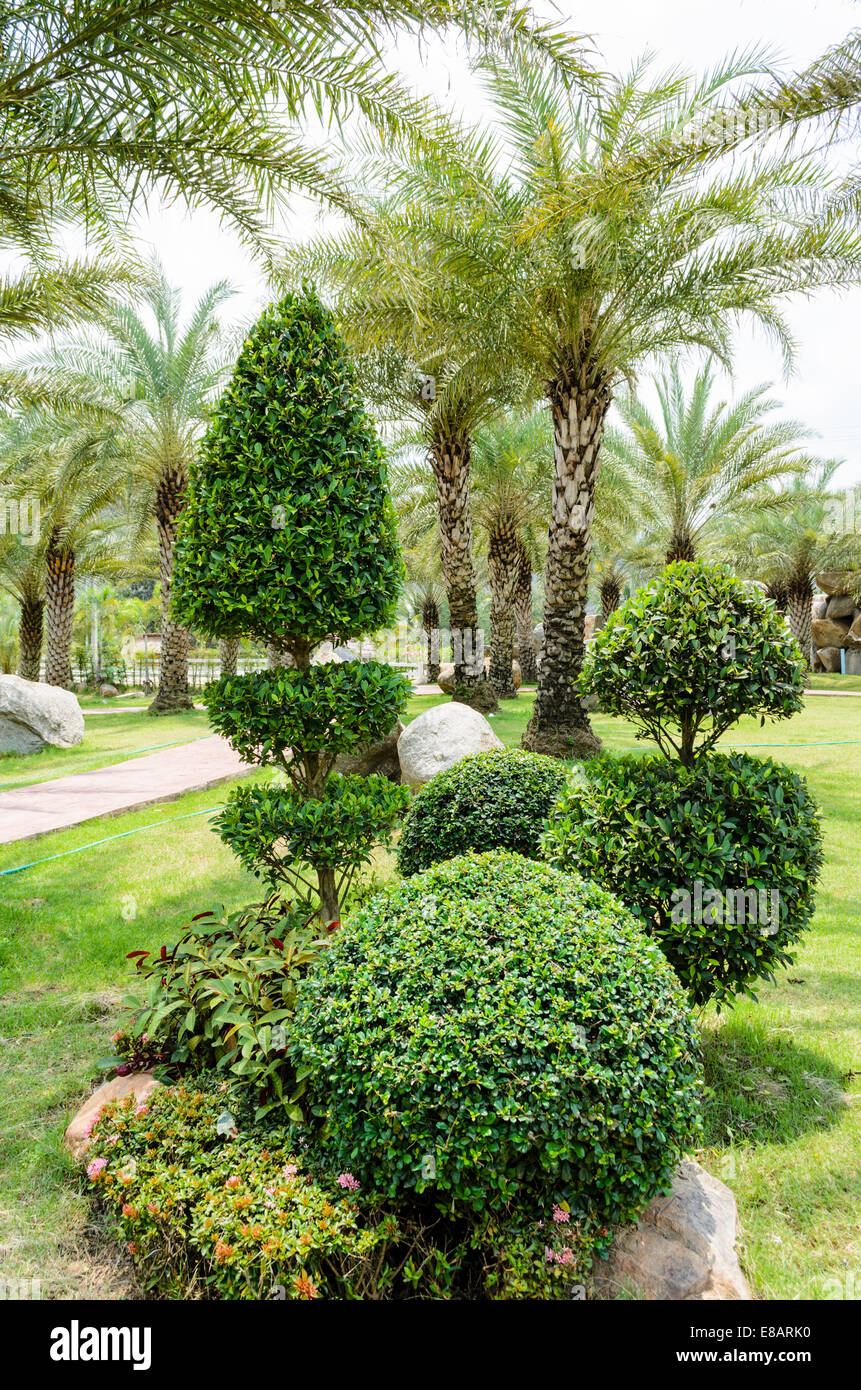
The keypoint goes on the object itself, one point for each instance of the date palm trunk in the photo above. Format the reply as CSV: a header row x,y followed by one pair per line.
x,y
681,547
450,460
559,725
30,625
228,654
799,612
523,619
173,693
611,594
59,609
504,566
430,627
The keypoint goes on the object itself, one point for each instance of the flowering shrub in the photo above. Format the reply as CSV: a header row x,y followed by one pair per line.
x,y
210,1202
494,1034
495,800
134,1052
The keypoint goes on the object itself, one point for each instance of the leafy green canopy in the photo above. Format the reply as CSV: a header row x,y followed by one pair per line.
x,y
719,861
495,800
495,1031
687,655
288,533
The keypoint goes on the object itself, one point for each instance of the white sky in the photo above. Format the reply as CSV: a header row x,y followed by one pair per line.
x,y
824,389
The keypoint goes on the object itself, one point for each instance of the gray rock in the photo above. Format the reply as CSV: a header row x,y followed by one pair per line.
x,y
833,581
829,658
829,632
439,738
841,606
379,758
33,714
818,606
682,1248
108,691
344,654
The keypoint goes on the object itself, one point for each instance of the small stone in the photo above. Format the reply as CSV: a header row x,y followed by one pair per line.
x,y
139,1084
108,691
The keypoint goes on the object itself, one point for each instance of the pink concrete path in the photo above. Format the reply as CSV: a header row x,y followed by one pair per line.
x,y
66,801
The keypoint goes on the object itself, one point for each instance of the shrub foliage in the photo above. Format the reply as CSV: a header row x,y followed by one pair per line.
x,y
687,655
494,800
741,828
493,1031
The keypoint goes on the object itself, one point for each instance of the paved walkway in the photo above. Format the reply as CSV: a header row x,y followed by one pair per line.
x,y
65,801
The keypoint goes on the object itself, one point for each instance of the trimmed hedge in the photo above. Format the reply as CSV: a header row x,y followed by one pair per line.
x,y
494,800
687,655
651,830
493,1032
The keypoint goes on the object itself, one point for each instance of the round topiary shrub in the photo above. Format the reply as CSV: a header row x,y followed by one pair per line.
x,y
494,1032
494,800
687,655
719,861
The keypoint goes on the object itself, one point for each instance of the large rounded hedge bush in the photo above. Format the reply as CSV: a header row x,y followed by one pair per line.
x,y
698,853
494,800
493,1032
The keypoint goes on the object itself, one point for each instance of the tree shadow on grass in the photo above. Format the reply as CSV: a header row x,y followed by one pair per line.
x,y
762,1087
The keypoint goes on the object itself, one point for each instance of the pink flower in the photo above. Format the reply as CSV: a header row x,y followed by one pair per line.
x,y
560,1215
289,1170
565,1256
112,1139
549,1255
348,1182
232,1182
95,1168
142,1108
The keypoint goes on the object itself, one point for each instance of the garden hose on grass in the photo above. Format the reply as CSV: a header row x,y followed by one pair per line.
x,y
171,820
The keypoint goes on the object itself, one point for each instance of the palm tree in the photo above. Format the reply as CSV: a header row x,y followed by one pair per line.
x,y
523,616
511,482
158,382
228,655
22,575
591,251
700,460
787,542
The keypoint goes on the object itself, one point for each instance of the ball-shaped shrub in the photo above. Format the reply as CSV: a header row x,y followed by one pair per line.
x,y
687,655
494,1032
494,800
718,861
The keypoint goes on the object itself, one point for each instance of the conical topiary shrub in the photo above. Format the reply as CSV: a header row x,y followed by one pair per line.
x,y
289,536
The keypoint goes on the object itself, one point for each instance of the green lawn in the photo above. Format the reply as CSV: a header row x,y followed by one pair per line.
x,y
108,738
783,1110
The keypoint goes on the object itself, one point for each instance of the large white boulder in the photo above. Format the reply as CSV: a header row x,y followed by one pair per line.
x,y
439,738
33,714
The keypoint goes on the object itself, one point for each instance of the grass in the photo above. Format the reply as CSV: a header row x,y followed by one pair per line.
x,y
110,738
783,1107
831,680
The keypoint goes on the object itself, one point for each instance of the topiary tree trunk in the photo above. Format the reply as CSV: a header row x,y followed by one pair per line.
x,y
60,609
611,595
